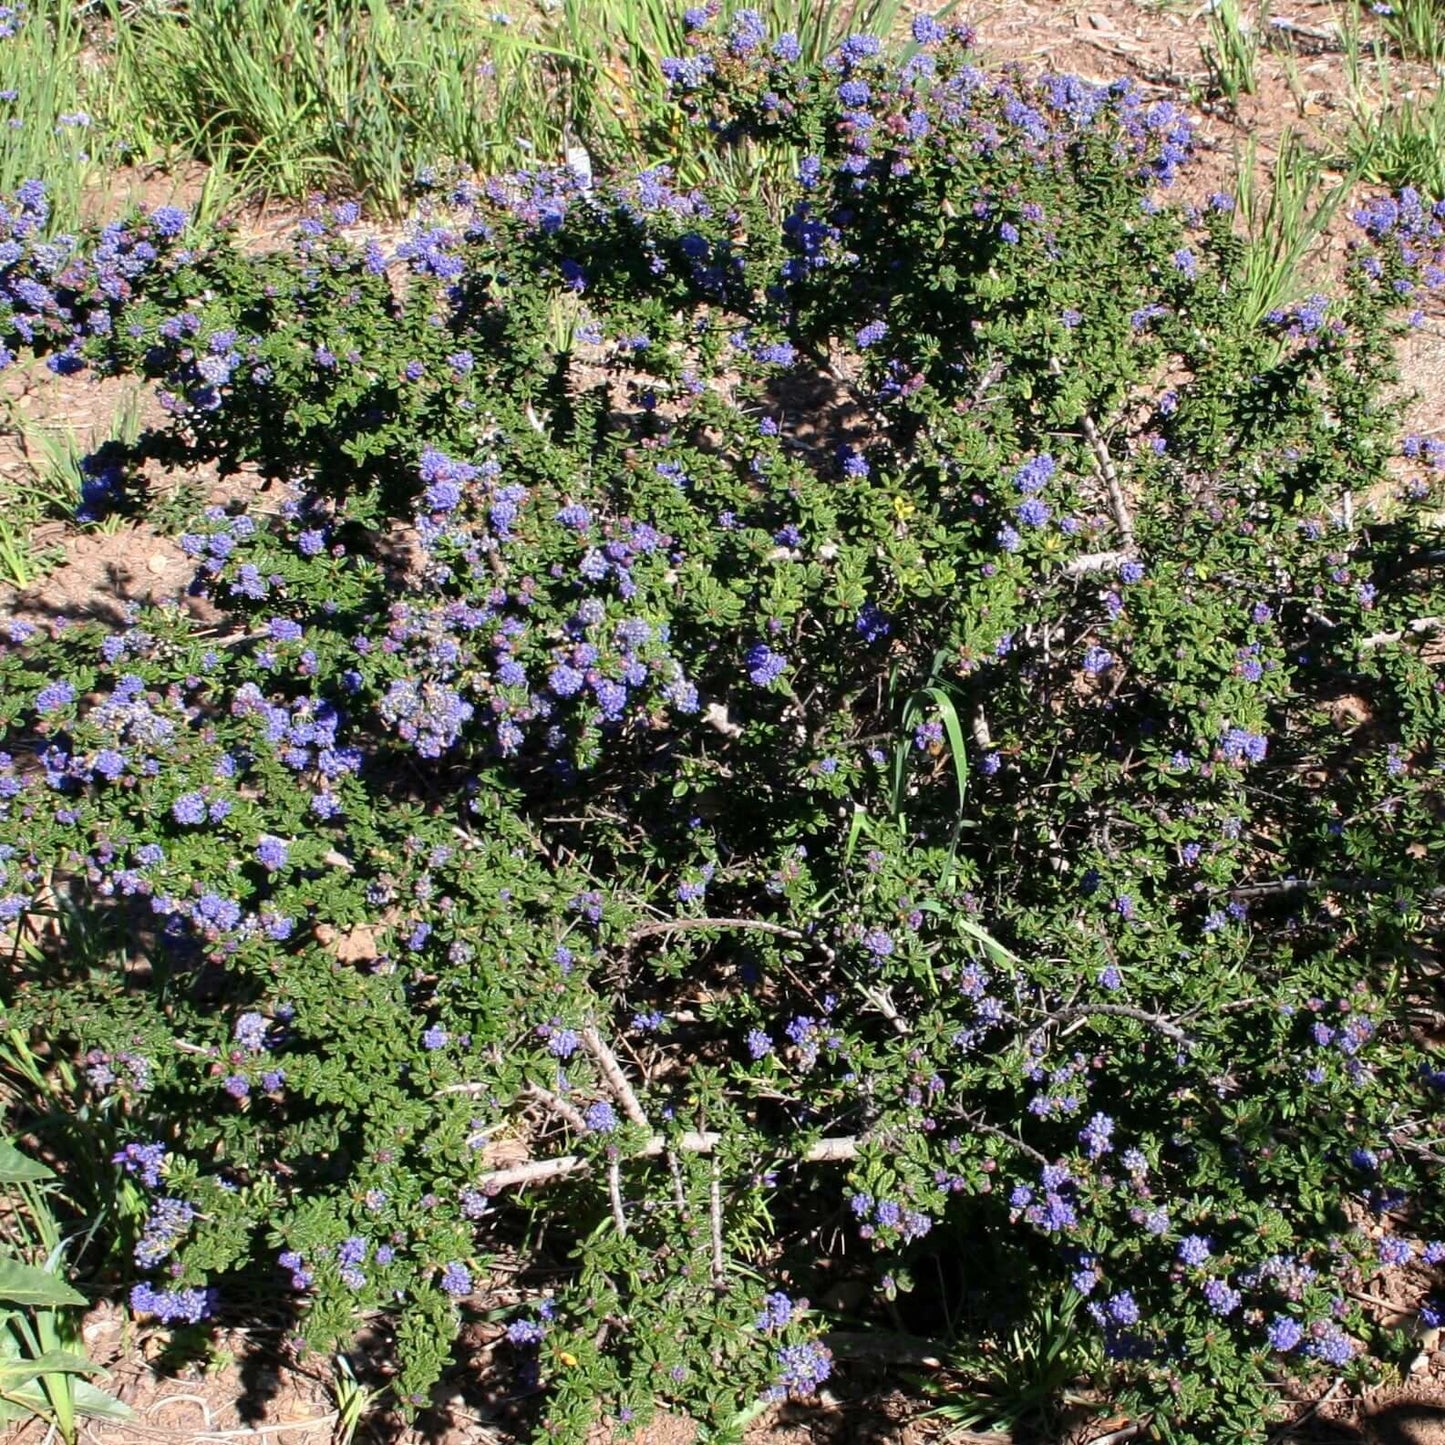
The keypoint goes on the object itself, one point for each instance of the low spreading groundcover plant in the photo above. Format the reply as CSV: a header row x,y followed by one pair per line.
x,y
630,859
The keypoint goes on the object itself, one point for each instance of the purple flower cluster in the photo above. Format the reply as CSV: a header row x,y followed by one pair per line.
x,y
250,1032
101,1071
1406,236
1035,474
525,1333
429,715
167,1222
146,1160
1239,746
764,665
802,1368
291,1261
601,1117
887,1220
54,295
445,479
1330,1345
1052,1208
182,1306
456,1280
351,1254
776,1313
610,663
1222,1299
1097,1136
1194,1250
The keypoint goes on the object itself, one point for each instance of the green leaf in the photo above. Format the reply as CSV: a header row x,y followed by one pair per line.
x,y
14,1373
991,945
11,1410
98,1405
29,1398
949,713
18,1168
25,1399
856,829
23,1284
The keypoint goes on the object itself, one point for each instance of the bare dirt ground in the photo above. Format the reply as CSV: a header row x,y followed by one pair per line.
x,y
251,1390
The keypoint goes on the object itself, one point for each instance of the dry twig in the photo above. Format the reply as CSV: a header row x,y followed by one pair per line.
x,y
757,925
614,1193
1107,471
558,1106
715,1220
537,1171
616,1079
1420,627
1158,1022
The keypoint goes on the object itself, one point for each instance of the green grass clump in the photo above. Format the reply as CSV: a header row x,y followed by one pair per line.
x,y
1283,220
1417,28
64,480
1232,51
1402,143
43,1365
48,135
363,97
1396,138
340,95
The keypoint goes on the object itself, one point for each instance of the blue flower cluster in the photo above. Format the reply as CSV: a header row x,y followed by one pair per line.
x,y
54,294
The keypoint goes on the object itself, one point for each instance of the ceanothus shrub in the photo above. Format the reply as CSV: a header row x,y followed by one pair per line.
x,y
887,735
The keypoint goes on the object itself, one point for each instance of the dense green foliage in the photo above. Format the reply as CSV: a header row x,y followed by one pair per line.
x,y
725,740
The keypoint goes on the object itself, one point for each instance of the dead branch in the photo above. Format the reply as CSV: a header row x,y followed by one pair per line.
x,y
1333,884
1318,41
1420,627
1027,1150
978,727
758,925
537,1171
882,1000
558,1106
616,1079
1104,463
1158,1022
1132,1431
1094,562
831,1151
715,1220
1286,1431
614,1193
534,1171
